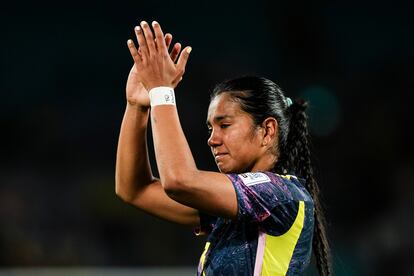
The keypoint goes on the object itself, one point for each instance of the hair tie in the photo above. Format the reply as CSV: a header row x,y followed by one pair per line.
x,y
288,101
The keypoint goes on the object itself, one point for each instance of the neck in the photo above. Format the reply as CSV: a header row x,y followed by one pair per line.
x,y
265,163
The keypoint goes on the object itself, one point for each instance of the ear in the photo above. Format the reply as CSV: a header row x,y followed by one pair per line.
x,y
269,127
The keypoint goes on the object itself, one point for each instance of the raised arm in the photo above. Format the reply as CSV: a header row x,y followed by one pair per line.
x,y
134,181
206,191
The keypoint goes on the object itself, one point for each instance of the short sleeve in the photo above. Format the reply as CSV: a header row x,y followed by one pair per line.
x,y
207,224
259,195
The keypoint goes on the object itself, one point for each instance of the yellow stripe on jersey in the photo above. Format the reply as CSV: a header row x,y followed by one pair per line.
x,y
203,256
278,250
286,176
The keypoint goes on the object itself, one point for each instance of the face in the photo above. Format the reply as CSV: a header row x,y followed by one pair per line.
x,y
234,140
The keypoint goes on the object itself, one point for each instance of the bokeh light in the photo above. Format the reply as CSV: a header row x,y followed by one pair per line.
x,y
324,110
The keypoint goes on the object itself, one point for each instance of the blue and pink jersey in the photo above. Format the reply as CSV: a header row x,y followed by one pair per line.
x,y
272,234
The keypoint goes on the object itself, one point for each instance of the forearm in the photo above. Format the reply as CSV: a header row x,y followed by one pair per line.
x,y
209,192
133,169
174,159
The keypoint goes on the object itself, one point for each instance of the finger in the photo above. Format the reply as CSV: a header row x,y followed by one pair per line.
x,y
160,37
182,60
168,40
149,38
175,51
142,43
155,40
134,52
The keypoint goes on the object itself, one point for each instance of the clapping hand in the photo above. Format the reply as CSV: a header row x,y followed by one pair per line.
x,y
136,93
153,63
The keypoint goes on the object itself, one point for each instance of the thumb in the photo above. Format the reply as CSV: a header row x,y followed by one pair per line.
x,y
182,60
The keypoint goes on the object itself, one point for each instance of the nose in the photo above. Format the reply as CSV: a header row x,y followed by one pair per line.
x,y
215,139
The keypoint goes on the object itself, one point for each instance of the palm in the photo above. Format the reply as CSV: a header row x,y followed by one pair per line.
x,y
155,66
135,91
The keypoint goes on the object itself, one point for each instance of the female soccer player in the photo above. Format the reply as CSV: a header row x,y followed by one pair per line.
x,y
261,211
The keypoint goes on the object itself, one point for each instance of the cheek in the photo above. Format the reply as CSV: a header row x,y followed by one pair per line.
x,y
247,144
232,140
238,143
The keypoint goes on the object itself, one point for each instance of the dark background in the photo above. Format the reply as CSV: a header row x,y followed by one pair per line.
x,y
62,80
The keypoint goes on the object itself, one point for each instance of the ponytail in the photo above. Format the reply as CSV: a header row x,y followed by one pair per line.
x,y
296,159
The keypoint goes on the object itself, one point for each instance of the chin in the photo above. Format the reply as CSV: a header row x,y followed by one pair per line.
x,y
228,170
223,169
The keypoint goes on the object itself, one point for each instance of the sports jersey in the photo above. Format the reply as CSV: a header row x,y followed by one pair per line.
x,y
272,234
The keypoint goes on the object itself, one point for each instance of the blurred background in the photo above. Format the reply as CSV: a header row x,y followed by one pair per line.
x,y
63,71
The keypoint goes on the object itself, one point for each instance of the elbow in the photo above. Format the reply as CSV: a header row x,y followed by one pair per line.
x,y
175,185
171,186
121,193
172,189
122,189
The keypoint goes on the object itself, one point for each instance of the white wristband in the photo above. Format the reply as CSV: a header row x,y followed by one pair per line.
x,y
162,95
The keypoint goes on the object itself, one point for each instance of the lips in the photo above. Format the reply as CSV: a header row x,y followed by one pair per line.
x,y
219,156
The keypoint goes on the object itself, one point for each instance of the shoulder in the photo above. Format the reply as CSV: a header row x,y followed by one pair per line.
x,y
288,187
250,178
261,195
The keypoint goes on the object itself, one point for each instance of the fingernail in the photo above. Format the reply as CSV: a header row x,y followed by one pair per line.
x,y
154,23
143,23
137,28
189,50
129,41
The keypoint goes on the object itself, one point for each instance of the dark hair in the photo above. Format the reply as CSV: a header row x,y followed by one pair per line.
x,y
261,98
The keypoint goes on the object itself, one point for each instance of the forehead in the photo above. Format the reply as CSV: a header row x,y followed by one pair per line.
x,y
223,106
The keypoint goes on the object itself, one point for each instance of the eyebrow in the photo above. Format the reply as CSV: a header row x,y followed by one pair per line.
x,y
219,118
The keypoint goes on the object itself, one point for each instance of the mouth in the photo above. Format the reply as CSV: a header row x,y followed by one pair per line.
x,y
219,156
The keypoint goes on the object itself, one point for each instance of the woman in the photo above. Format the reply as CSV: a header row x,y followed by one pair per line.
x,y
261,220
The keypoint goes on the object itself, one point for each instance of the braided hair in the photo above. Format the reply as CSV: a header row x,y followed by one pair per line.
x,y
261,98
